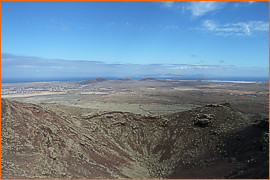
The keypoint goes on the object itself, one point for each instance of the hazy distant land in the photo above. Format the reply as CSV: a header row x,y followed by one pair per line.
x,y
154,95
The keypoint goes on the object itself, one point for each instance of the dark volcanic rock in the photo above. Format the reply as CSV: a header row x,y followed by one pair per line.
x,y
53,141
202,120
250,146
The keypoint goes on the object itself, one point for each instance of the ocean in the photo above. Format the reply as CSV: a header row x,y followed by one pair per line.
x,y
25,80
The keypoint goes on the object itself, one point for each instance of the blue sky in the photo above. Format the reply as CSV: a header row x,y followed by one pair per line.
x,y
215,38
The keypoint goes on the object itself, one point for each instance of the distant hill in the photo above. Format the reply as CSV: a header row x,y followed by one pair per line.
x,y
89,81
152,79
125,79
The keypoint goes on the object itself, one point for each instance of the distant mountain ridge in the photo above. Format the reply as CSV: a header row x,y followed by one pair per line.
x,y
153,79
89,81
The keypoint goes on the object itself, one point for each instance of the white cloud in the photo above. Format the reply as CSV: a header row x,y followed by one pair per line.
x,y
200,8
26,66
187,66
209,24
168,4
236,29
238,4
259,25
251,2
56,67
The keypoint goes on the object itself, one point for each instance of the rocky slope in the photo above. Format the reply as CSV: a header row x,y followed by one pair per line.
x,y
53,141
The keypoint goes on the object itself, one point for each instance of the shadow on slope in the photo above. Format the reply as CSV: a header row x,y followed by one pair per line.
x,y
54,141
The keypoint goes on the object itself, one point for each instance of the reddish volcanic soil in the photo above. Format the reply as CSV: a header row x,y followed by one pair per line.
x,y
56,141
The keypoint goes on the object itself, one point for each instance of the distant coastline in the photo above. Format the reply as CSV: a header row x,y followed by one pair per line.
x,y
220,79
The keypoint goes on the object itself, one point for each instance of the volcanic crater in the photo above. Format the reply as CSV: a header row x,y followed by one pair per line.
x,y
58,141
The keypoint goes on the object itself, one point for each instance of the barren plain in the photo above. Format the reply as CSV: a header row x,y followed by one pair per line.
x,y
146,96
